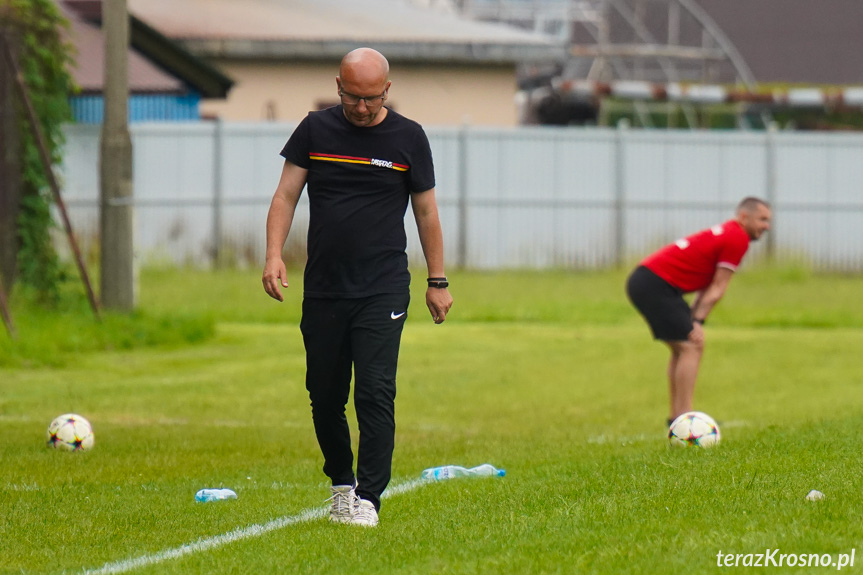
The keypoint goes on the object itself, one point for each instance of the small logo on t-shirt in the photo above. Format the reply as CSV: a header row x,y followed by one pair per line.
x,y
381,163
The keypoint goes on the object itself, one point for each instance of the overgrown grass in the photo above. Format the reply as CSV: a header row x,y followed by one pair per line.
x,y
60,332
549,375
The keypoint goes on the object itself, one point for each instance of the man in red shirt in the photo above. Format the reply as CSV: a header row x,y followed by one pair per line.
x,y
703,263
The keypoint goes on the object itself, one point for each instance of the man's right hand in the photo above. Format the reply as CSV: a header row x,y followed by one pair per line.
x,y
697,333
275,273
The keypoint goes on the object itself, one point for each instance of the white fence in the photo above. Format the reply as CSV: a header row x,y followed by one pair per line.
x,y
509,198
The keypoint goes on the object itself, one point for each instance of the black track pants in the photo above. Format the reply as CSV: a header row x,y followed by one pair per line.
x,y
365,334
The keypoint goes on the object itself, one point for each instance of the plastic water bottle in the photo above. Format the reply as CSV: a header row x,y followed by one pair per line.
x,y
453,471
205,495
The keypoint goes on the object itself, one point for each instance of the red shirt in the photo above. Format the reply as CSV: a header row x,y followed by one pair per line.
x,y
690,263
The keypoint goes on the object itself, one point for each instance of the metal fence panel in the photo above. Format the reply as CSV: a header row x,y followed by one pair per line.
x,y
819,185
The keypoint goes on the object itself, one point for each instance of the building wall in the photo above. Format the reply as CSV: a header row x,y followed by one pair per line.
x,y
90,109
429,94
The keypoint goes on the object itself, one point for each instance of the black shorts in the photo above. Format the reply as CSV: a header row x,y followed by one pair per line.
x,y
661,304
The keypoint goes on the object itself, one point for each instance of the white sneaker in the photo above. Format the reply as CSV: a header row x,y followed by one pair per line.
x,y
365,514
344,503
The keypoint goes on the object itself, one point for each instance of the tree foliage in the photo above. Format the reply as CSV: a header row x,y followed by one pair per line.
x,y
44,57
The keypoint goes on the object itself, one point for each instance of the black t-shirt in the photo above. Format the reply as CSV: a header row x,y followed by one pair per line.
x,y
359,182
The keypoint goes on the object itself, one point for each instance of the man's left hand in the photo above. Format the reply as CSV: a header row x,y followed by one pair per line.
x,y
438,301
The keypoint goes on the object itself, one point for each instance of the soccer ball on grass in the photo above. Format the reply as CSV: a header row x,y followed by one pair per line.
x,y
693,428
70,432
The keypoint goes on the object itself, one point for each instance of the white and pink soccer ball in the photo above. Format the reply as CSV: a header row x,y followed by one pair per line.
x,y
70,432
693,428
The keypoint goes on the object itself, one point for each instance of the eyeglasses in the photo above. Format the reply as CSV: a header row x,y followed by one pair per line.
x,y
370,101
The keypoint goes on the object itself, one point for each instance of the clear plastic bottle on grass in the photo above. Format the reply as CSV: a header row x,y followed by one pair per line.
x,y
205,495
453,471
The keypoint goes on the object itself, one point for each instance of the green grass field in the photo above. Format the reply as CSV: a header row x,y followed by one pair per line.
x,y
551,376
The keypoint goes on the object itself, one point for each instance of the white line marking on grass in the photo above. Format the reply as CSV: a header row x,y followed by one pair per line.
x,y
237,534
621,439
21,486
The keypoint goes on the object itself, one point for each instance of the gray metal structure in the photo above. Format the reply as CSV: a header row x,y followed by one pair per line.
x,y
649,40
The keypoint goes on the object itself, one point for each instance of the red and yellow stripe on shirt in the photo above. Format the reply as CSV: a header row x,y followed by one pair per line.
x,y
355,160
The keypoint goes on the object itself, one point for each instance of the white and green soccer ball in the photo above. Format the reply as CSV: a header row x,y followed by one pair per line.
x,y
693,428
70,432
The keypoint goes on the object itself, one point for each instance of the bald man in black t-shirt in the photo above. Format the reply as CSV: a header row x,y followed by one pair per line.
x,y
362,163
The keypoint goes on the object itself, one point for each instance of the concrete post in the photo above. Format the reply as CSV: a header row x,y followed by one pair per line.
x,y
115,166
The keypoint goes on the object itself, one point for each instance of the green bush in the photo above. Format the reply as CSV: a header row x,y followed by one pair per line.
x,y
44,58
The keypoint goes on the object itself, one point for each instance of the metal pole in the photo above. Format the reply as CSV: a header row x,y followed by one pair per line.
x,y
218,192
770,161
49,173
620,193
461,248
116,210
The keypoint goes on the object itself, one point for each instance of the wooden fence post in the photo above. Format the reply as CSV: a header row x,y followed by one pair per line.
x,y
10,167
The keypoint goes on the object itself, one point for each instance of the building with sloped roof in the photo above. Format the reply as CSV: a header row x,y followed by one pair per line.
x,y
165,82
284,55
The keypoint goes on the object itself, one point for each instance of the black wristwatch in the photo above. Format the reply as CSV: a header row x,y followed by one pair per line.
x,y
437,282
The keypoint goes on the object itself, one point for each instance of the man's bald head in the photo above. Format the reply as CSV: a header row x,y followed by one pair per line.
x,y
366,62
